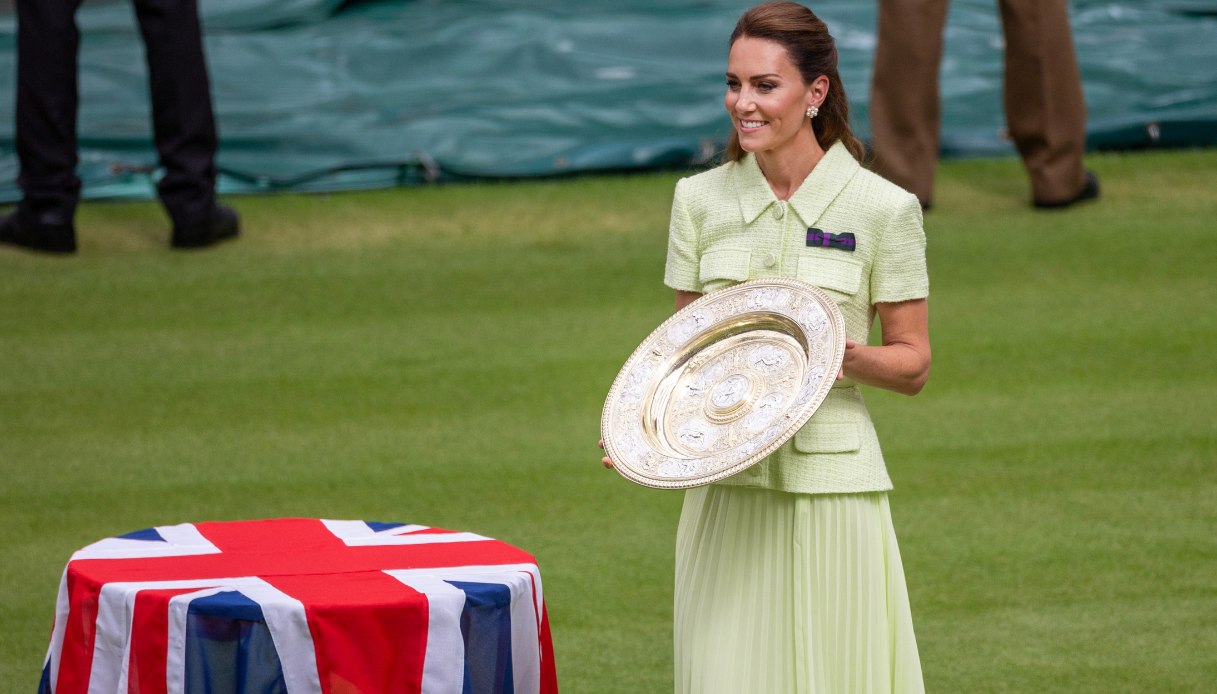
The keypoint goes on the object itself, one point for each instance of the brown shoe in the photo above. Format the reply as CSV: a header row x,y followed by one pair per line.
x,y
1090,191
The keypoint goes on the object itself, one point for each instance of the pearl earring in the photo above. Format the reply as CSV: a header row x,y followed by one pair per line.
x,y
813,112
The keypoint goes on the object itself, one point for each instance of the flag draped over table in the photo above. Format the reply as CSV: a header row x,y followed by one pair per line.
x,y
304,606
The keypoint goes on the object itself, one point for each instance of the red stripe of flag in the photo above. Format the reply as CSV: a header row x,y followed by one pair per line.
x,y
150,641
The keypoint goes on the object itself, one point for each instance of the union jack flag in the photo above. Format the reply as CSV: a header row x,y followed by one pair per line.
x,y
302,606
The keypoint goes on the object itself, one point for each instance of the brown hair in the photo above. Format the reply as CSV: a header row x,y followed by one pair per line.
x,y
812,50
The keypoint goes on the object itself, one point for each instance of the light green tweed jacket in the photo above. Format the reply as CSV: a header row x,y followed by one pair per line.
x,y
727,226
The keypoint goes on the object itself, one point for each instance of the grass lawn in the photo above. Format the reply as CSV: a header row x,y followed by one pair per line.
x,y
440,356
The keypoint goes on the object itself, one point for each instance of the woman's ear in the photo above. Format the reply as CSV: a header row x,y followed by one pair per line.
x,y
819,90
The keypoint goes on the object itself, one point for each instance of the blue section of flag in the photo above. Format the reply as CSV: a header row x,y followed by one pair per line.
x,y
149,534
229,604
486,630
44,684
229,648
378,527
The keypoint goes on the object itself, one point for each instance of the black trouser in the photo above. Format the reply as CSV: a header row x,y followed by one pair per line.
x,y
183,126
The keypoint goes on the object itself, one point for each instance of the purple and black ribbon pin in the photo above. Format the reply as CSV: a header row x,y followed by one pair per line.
x,y
817,237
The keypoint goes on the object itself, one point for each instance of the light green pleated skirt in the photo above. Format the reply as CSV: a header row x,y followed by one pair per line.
x,y
782,593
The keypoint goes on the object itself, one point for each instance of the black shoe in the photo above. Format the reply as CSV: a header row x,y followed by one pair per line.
x,y
49,234
222,223
1090,191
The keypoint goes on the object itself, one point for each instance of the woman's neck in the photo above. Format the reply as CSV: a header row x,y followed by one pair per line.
x,y
787,168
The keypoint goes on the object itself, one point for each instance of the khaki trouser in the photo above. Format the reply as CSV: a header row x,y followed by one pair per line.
x,y
1045,110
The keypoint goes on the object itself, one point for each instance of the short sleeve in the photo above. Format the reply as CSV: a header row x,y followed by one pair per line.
x,y
899,271
681,271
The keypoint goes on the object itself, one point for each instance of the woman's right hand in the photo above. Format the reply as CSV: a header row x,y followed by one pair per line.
x,y
606,461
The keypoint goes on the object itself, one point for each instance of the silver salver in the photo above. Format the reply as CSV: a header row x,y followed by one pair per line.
x,y
723,383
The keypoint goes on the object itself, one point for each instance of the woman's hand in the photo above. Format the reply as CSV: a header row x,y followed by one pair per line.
x,y
607,461
684,298
850,351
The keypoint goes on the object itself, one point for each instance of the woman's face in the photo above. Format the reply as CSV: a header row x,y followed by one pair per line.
x,y
766,96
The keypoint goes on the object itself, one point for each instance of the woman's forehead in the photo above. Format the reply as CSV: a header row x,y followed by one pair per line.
x,y
751,56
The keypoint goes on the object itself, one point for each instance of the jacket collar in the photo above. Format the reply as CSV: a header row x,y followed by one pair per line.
x,y
822,186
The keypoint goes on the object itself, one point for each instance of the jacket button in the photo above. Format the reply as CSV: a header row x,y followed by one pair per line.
x,y
779,210
770,260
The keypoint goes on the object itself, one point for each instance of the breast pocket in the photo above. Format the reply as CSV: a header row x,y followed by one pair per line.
x,y
722,267
840,277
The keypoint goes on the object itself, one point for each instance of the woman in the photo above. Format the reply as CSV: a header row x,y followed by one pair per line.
x,y
788,576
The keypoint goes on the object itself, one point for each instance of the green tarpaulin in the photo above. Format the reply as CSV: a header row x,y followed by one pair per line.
x,y
325,94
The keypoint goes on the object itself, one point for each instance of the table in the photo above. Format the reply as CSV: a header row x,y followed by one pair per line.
x,y
300,605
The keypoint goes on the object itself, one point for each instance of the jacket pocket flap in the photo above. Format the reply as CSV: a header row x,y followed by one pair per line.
x,y
725,264
827,437
839,274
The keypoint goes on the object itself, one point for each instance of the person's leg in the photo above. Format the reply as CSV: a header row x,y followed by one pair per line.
x,y
182,121
47,46
904,104
1045,108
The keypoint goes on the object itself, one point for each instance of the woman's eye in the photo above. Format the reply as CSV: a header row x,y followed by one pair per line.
x,y
766,86
733,85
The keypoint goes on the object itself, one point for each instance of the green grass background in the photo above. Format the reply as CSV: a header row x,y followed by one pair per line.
x,y
440,356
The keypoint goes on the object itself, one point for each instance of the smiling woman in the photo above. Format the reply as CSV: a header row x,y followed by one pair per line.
x,y
770,105
785,69
788,575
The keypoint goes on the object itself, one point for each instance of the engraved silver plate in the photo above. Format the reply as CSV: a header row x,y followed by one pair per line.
x,y
723,383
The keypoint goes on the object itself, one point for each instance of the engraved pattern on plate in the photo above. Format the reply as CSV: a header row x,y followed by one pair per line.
x,y
697,435
636,384
769,358
730,391
769,298
673,468
681,332
767,409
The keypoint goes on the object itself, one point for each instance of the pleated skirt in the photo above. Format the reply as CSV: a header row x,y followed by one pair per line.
x,y
781,593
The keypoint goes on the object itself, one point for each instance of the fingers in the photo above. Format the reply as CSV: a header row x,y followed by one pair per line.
x,y
849,345
606,461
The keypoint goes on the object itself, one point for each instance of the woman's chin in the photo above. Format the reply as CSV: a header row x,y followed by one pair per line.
x,y
751,145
